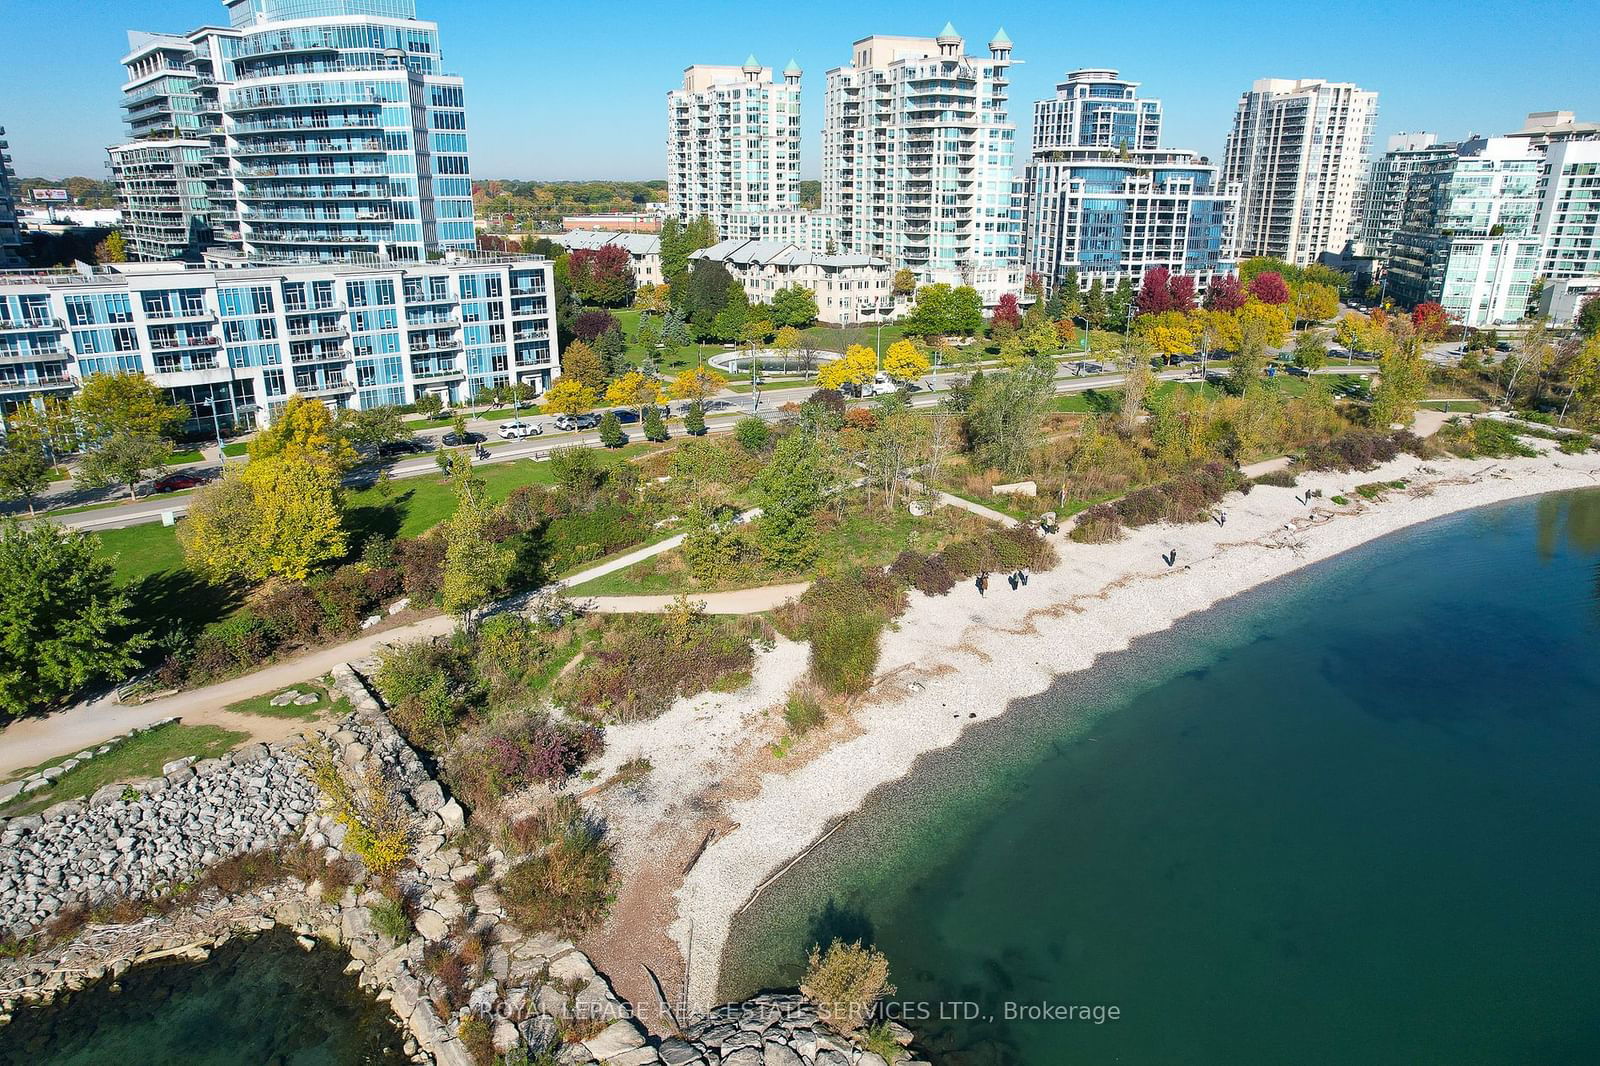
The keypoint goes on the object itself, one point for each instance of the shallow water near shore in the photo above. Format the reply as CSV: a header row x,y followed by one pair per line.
x,y
1349,816
266,1002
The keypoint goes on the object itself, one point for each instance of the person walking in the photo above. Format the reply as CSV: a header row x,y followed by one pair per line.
x,y
982,581
1012,579
1022,575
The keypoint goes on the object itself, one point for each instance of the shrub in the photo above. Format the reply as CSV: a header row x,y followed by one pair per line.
x,y
378,824
1280,479
752,433
291,612
846,982
803,712
1100,524
1360,449
1576,444
574,539
566,885
844,652
389,918
345,597
516,755
477,1038
420,561
644,662
930,575
611,434
1498,439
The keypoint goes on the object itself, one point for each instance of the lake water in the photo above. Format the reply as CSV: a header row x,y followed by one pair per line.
x,y
1349,817
263,1002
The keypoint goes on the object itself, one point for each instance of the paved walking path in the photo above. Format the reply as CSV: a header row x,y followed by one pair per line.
x,y
35,740
739,601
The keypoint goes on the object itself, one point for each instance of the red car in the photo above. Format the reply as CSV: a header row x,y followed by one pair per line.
x,y
179,482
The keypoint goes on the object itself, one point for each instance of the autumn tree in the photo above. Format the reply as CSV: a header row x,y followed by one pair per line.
x,y
1314,302
857,366
698,385
1270,288
582,363
1583,383
1006,313
114,249
905,282
602,276
905,362
1170,333
277,516
789,342
656,299
64,622
1251,358
127,428
635,391
305,429
568,396
1430,320
591,325
1225,294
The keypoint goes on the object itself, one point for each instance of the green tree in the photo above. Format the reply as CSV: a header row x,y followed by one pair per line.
x,y
370,429
1251,359
127,428
476,566
1095,308
63,621
789,489
655,427
1119,303
1588,320
611,434
582,363
752,433
1402,378
1311,350
794,305
612,348
24,464
694,419
1004,412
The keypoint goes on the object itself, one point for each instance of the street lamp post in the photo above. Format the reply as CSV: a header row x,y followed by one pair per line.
x,y
216,426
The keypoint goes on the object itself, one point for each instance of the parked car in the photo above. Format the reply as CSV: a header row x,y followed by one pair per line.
x,y
179,482
882,385
405,446
516,430
456,440
1299,371
568,424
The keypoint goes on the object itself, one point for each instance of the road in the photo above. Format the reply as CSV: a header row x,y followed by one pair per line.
x,y
730,408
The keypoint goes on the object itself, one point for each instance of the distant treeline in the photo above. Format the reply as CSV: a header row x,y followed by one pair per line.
x,y
541,201
85,191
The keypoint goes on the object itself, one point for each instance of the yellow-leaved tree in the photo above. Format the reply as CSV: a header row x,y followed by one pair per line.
x,y
275,517
857,367
698,385
568,396
634,390
904,361
306,430
1170,333
1264,322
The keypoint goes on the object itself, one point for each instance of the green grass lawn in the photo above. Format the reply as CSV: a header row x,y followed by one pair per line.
x,y
142,756
236,449
189,456
1457,407
262,704
140,551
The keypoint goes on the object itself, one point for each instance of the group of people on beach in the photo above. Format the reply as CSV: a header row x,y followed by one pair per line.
x,y
1016,579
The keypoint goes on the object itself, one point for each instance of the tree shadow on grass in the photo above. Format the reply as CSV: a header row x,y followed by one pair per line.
x,y
1102,403
180,602
376,520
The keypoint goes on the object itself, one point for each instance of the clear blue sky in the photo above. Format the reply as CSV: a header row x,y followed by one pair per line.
x,y
560,89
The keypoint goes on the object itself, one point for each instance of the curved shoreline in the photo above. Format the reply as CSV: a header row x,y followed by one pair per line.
x,y
960,659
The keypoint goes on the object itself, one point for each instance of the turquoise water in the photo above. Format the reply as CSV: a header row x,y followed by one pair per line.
x,y
263,1002
1352,817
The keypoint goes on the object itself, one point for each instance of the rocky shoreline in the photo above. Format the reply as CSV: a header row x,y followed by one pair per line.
x,y
538,990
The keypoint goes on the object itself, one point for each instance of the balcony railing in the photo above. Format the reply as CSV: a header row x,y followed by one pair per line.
x,y
52,381
169,344
31,325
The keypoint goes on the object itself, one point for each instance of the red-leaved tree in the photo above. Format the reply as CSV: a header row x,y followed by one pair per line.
x,y
1225,294
1007,313
601,275
1154,291
1270,288
1180,293
1431,320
